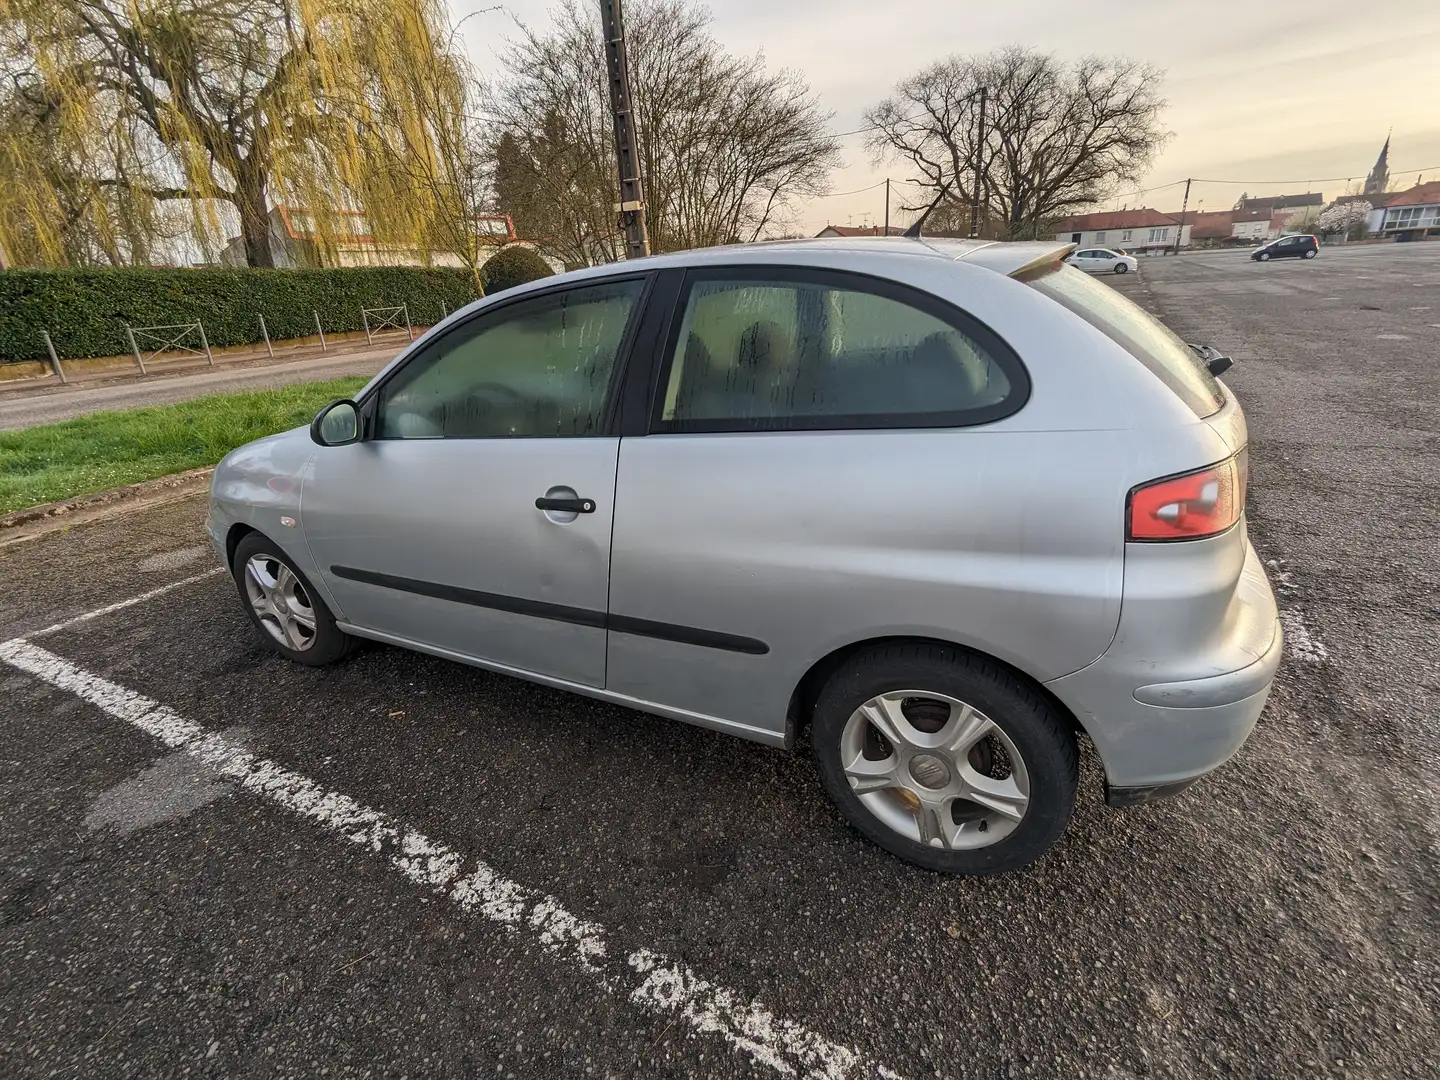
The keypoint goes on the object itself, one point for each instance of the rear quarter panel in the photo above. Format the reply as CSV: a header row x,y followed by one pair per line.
x,y
1006,537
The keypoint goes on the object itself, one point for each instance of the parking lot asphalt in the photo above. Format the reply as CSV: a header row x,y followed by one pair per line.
x,y
662,901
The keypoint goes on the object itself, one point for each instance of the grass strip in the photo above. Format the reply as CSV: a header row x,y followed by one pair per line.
x,y
110,449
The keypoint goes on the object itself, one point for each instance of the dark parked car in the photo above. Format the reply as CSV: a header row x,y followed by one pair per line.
x,y
1303,246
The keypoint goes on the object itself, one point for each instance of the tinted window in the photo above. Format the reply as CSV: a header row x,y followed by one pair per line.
x,y
759,353
534,368
1145,337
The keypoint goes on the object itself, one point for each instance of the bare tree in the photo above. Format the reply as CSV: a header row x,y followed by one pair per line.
x,y
727,146
1057,138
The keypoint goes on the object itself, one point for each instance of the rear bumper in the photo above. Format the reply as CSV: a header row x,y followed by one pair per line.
x,y
1156,736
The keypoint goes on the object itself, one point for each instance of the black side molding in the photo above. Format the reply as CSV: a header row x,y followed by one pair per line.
x,y
495,601
688,635
540,609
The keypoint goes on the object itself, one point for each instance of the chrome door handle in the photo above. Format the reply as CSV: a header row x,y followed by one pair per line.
x,y
570,506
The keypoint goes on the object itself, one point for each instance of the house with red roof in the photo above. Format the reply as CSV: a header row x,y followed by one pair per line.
x,y
1136,231
860,230
1406,215
296,241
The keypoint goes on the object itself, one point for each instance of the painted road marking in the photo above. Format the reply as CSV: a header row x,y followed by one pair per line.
x,y
108,608
650,981
1302,644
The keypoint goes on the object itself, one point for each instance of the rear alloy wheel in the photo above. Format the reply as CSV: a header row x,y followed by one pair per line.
x,y
1311,253
284,606
1121,268
945,758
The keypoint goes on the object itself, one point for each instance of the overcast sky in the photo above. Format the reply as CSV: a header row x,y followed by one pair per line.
x,y
1295,91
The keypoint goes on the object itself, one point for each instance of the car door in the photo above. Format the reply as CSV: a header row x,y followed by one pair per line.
x,y
1083,260
1288,247
474,519
820,465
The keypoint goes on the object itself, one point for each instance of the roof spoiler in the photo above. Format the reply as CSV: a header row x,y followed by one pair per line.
x,y
1052,257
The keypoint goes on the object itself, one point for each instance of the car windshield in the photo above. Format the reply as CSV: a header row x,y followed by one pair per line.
x,y
1141,334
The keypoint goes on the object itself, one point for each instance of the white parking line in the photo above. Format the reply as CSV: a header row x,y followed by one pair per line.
x,y
1301,643
108,608
649,980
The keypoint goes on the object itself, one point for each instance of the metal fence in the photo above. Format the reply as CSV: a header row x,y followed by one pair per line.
x,y
386,318
180,340
170,338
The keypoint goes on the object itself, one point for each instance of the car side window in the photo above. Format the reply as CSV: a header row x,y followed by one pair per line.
x,y
767,353
538,367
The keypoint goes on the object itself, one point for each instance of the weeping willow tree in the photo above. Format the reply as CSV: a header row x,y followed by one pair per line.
x,y
111,110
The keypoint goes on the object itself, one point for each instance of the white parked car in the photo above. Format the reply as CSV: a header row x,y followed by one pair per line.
x,y
1102,261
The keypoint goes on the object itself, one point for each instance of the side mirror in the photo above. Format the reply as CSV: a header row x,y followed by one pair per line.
x,y
337,424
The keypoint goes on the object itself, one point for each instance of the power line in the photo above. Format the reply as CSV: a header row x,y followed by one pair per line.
x,y
1307,180
837,194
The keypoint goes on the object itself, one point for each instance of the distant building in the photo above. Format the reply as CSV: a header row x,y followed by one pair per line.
x,y
1226,228
1251,226
860,230
1274,204
1209,229
294,242
1379,178
1407,215
1146,231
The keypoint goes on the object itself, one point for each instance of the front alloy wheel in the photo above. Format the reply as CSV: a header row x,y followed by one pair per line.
x,y
282,604
279,600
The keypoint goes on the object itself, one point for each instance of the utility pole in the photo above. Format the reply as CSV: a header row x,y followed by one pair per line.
x,y
1185,203
887,206
631,206
975,196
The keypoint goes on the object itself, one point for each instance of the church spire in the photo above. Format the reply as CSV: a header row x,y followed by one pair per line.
x,y
1379,178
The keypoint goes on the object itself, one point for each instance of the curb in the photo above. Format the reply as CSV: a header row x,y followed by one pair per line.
x,y
36,520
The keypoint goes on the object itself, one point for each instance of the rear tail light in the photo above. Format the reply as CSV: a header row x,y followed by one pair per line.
x,y
1188,507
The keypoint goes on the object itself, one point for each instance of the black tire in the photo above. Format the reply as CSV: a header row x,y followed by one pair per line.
x,y
329,642
1044,741
1122,269
1264,256
1311,253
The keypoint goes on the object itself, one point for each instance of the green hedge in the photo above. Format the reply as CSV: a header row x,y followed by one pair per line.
x,y
86,311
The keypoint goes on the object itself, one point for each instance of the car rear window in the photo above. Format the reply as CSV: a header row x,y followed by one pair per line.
x,y
1141,334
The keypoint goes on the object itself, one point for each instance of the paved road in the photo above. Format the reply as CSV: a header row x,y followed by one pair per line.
x,y
30,407
665,902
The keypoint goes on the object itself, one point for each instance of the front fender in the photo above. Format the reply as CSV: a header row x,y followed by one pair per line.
x,y
259,486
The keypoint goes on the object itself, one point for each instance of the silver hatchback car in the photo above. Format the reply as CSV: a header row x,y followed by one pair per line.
x,y
939,507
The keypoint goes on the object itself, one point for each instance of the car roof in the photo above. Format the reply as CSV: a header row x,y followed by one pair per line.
x,y
847,253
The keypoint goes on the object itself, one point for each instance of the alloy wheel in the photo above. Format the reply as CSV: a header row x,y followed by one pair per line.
x,y
280,601
935,769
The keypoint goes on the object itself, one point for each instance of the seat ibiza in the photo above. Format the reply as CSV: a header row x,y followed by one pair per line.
x,y
934,509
